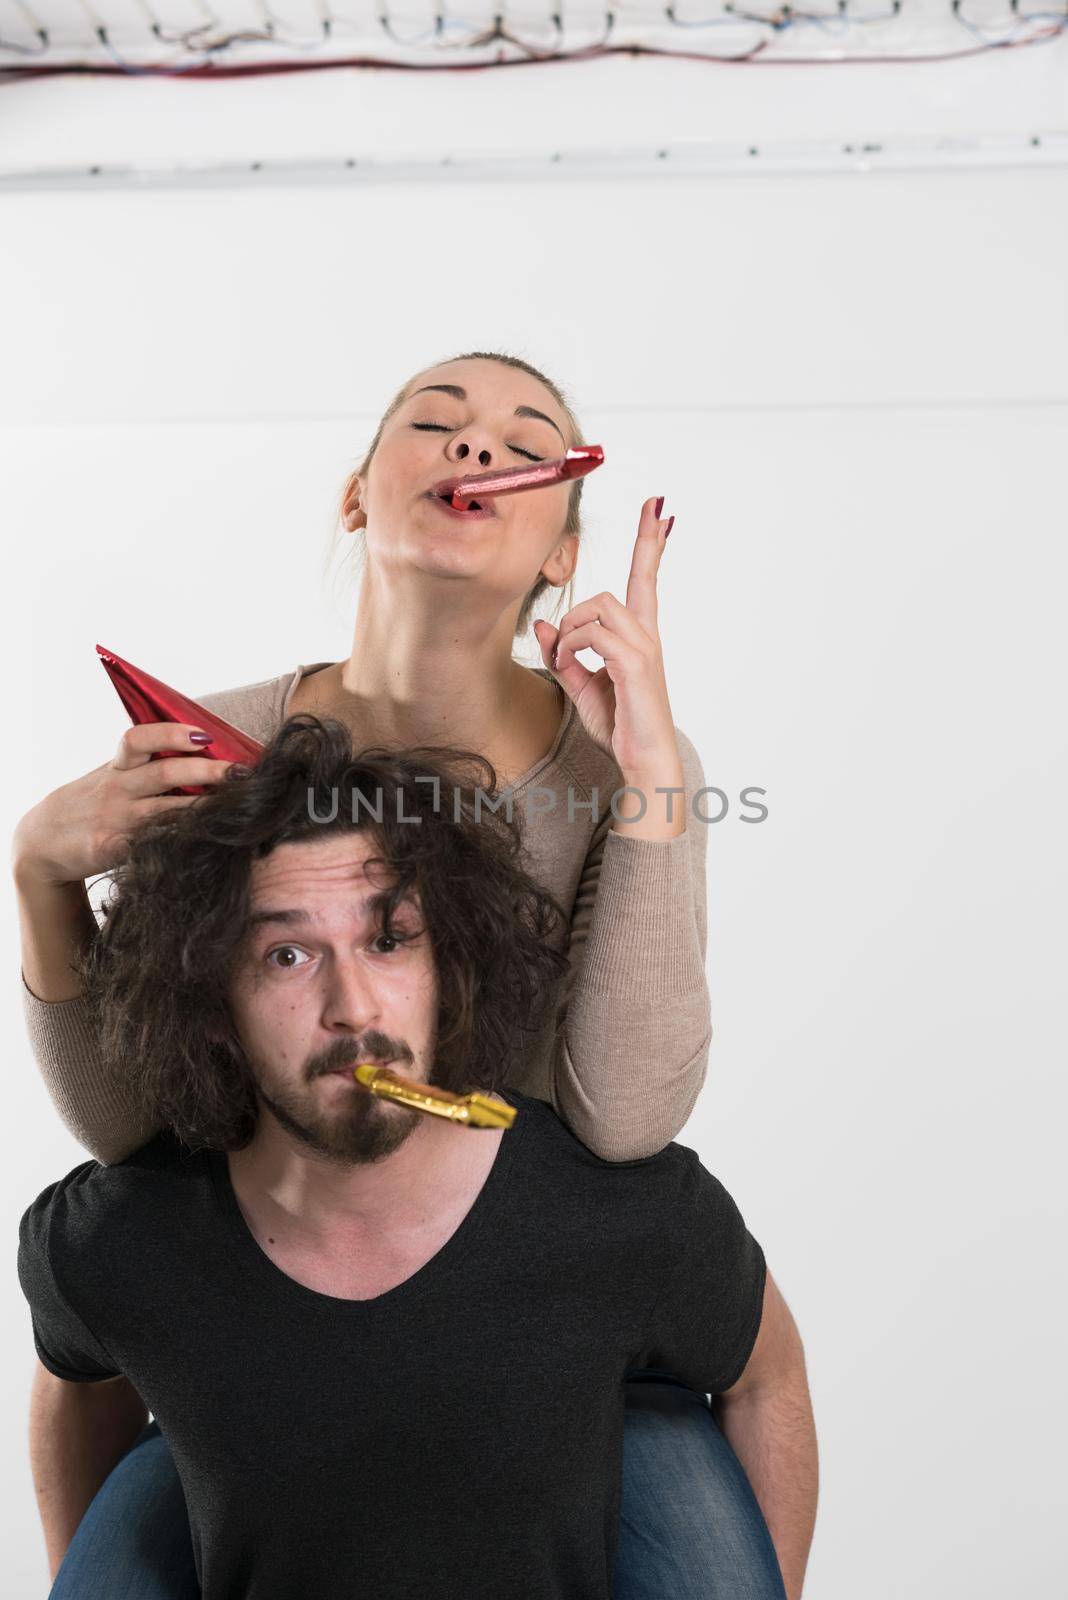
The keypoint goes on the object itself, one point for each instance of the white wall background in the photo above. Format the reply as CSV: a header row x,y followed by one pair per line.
x,y
852,392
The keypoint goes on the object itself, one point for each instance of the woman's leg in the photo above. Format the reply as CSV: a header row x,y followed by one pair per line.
x,y
689,1523
133,1542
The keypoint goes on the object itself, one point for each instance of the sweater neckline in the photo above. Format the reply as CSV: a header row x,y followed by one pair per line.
x,y
547,760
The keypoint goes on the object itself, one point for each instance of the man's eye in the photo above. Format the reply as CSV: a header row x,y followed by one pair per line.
x,y
393,940
440,427
283,949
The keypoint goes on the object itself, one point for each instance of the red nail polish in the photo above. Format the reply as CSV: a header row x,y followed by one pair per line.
x,y
671,524
660,506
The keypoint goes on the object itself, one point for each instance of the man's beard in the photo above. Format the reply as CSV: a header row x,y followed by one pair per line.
x,y
361,1130
364,1131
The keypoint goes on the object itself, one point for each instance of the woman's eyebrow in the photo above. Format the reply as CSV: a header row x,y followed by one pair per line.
x,y
461,394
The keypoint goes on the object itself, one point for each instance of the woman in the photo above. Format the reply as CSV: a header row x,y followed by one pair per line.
x,y
440,604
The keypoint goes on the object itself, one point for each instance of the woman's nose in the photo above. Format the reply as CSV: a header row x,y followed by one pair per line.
x,y
463,449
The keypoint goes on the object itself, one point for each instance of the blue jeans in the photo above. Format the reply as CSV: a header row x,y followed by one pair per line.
x,y
690,1527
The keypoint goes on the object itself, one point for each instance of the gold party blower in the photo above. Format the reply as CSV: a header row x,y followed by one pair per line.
x,y
470,1110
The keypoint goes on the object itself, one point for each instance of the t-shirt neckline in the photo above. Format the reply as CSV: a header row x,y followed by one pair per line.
x,y
306,671
451,1254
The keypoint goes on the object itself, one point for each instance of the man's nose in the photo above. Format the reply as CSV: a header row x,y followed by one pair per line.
x,y
350,1000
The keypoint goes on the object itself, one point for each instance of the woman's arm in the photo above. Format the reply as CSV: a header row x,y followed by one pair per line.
x,y
55,921
634,1027
76,832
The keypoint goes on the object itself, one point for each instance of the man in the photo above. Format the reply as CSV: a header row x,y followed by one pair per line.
x,y
387,1351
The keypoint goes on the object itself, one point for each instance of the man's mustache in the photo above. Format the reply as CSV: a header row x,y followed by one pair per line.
x,y
374,1047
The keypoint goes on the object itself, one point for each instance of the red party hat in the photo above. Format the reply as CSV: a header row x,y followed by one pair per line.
x,y
148,700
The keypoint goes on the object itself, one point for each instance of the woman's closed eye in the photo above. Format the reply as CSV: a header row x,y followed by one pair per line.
x,y
440,427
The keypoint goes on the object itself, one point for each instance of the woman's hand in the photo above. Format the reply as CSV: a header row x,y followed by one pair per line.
x,y
82,828
624,705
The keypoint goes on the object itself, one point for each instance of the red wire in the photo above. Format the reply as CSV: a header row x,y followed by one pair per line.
x,y
256,69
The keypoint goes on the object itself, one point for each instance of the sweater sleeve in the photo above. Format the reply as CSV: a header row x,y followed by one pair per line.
x,y
633,1031
101,1115
95,1105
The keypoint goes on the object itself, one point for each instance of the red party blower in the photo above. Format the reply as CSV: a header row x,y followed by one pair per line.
x,y
149,700
575,464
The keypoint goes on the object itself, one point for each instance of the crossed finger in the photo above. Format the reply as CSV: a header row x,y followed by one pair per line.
x,y
603,608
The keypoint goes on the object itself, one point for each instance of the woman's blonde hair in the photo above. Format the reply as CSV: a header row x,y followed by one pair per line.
x,y
573,520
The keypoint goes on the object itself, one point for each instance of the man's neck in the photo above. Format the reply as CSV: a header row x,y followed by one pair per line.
x,y
439,1168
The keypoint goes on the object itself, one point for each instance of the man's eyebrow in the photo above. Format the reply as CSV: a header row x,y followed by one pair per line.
x,y
461,394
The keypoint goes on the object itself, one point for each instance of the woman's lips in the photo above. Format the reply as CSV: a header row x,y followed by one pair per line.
x,y
470,515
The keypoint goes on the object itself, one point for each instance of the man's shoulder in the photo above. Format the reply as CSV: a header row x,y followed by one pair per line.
x,y
669,1167
93,1200
618,1218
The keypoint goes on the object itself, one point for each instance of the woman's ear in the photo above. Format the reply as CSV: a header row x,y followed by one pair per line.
x,y
353,515
561,564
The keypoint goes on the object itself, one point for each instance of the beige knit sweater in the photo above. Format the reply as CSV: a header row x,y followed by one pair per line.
x,y
624,1057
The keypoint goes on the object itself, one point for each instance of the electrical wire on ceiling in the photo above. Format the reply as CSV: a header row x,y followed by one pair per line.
x,y
209,50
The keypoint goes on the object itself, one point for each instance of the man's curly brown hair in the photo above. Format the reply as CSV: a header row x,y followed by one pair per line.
x,y
157,977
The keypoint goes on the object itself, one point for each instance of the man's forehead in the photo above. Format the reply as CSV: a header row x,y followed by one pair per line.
x,y
340,859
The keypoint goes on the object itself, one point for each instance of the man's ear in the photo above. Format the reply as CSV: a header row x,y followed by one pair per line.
x,y
353,515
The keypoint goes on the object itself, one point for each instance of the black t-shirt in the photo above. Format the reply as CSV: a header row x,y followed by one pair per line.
x,y
459,1435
